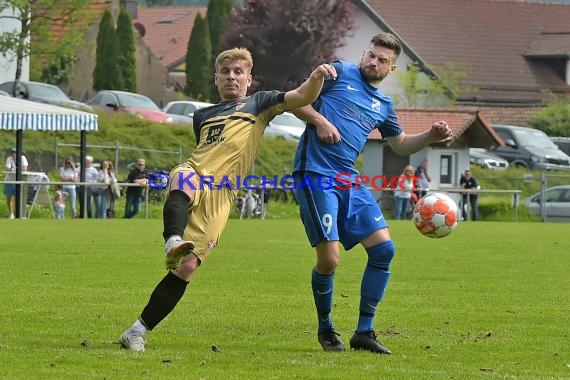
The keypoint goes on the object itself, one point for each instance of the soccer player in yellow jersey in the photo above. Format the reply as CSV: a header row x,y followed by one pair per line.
x,y
202,190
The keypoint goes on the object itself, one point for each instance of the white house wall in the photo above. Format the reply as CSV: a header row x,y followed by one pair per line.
x,y
364,30
8,60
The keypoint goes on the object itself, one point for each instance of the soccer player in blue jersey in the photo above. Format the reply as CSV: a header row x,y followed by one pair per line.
x,y
339,122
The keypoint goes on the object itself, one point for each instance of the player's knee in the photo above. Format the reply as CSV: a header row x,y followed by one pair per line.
x,y
327,264
187,267
381,255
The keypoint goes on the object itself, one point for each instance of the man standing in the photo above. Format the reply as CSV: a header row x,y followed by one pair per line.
x,y
138,175
341,119
91,176
10,188
470,195
228,135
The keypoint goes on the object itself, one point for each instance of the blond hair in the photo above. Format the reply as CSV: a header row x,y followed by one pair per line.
x,y
409,167
235,54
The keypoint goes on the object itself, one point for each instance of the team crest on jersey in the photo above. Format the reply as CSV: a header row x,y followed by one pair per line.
x,y
239,106
376,105
215,134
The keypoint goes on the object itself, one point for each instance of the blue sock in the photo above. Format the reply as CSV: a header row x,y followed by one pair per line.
x,y
374,282
323,293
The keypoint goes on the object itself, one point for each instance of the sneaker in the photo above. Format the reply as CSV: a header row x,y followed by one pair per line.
x,y
367,341
11,216
176,249
330,342
133,340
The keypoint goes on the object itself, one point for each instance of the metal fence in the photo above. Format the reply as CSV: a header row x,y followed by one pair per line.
x,y
116,148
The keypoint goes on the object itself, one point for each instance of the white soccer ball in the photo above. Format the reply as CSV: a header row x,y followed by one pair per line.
x,y
435,215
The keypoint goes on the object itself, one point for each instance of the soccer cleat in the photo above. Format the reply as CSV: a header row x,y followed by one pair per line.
x,y
176,249
330,342
367,341
133,340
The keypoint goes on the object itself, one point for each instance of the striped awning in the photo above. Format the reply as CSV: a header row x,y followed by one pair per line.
x,y
19,114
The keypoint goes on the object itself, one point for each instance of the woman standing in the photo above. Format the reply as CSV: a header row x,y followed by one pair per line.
x,y
68,173
106,198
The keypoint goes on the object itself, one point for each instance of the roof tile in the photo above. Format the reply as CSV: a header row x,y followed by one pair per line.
x,y
167,31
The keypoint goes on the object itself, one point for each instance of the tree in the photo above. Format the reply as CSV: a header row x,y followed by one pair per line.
x,y
421,90
126,52
288,38
553,119
106,74
38,19
198,61
218,10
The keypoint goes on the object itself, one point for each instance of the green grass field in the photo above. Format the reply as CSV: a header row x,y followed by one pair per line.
x,y
491,301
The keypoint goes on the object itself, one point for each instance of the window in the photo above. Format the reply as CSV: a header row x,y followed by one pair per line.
x,y
446,169
177,109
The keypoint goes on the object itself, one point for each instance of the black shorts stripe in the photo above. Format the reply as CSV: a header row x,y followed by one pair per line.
x,y
304,145
313,210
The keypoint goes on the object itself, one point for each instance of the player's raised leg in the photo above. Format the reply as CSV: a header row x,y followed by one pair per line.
x,y
171,288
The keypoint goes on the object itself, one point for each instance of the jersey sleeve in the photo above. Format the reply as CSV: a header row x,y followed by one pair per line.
x,y
268,99
391,126
196,121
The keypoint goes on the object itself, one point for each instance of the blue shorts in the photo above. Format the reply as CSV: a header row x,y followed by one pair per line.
x,y
10,189
330,213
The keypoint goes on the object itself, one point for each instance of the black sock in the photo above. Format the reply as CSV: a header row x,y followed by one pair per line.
x,y
175,213
163,299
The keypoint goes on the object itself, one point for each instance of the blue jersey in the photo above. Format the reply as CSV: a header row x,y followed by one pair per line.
x,y
355,108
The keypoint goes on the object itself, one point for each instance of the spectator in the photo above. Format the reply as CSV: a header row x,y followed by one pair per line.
x,y
92,192
59,201
470,195
68,173
422,179
403,193
10,188
138,175
106,198
265,194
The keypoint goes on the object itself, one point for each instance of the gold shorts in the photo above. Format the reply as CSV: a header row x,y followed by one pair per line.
x,y
207,215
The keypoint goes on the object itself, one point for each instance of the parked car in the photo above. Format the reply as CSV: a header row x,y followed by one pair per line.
x,y
563,143
129,102
182,111
483,158
286,126
43,93
557,203
529,148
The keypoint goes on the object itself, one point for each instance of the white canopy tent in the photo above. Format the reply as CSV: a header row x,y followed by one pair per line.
x,y
20,115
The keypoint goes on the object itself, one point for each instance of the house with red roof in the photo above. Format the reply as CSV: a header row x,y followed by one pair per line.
x,y
152,75
166,32
512,52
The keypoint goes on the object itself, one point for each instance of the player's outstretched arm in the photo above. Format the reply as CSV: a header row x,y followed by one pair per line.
x,y
307,92
327,132
408,144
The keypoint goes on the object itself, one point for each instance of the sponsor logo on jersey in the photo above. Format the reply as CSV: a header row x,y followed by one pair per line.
x,y
215,134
